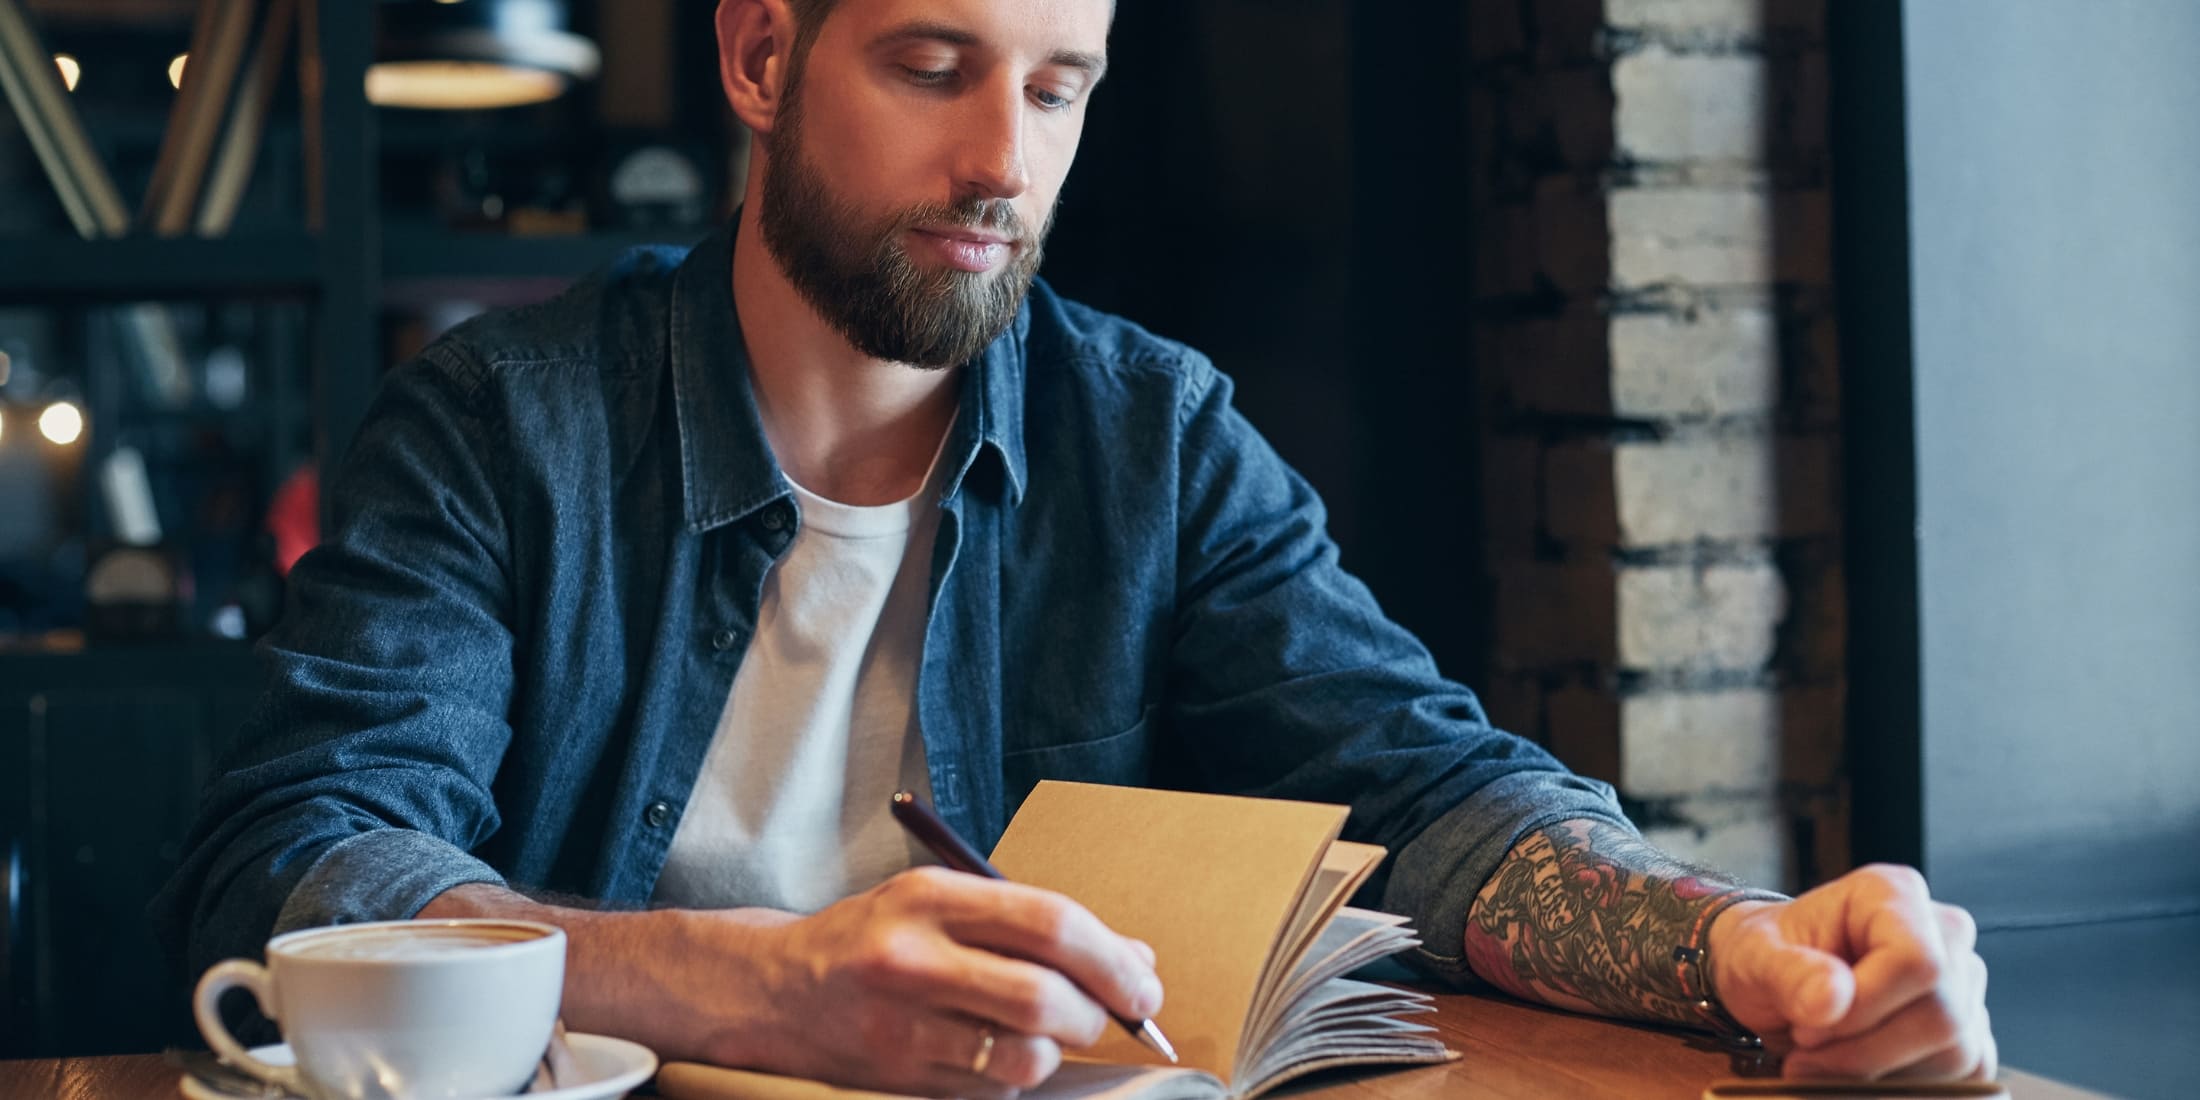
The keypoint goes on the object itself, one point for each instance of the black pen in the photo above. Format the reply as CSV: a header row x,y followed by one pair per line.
x,y
957,853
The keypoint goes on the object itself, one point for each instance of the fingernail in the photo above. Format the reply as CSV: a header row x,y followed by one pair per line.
x,y
1148,999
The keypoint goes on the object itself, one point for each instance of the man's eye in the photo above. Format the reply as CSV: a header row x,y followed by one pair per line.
x,y
1050,100
928,78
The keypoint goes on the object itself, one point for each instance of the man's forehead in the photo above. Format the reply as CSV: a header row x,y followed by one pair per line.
x,y
1042,27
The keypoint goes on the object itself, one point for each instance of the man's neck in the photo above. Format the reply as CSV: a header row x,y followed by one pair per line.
x,y
843,425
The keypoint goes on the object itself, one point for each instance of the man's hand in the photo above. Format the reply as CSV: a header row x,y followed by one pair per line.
x,y
894,989
896,986
1865,976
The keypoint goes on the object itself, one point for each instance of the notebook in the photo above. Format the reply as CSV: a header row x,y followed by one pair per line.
x,y
1243,900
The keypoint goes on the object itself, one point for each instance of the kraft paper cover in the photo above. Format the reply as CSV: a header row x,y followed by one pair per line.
x,y
1209,880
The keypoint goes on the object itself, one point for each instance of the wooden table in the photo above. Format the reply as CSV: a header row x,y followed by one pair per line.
x,y
1510,1051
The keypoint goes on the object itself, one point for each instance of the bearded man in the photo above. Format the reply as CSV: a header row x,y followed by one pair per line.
x,y
640,602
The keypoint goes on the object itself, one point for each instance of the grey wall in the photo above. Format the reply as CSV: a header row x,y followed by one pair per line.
x,y
2054,150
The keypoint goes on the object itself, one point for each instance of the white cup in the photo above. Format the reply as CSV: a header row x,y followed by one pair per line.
x,y
399,1010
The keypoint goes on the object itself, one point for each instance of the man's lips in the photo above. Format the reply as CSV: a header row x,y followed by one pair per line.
x,y
972,236
973,250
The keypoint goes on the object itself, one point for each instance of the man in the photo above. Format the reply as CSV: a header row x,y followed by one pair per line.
x,y
651,594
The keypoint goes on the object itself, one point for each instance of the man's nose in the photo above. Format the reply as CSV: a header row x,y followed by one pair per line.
x,y
990,148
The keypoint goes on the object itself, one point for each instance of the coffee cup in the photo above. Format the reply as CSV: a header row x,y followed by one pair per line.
x,y
398,1010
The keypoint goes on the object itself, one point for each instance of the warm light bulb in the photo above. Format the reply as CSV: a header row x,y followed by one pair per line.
x,y
61,423
175,70
459,85
71,72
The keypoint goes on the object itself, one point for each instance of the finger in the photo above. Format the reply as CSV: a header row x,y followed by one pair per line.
x,y
1812,990
1953,1064
1973,1059
952,1043
1922,1030
1047,928
1011,994
1900,957
1958,932
1145,951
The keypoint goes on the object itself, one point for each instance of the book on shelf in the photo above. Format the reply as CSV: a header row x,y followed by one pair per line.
x,y
33,86
231,174
219,36
1243,901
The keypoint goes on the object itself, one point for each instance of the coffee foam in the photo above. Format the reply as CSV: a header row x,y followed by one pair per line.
x,y
396,944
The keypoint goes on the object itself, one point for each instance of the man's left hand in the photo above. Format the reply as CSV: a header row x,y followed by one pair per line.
x,y
1866,976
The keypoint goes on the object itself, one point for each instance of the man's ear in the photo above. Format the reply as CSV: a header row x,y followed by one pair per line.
x,y
755,42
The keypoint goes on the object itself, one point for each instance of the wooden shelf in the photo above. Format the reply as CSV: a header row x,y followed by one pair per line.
x,y
126,269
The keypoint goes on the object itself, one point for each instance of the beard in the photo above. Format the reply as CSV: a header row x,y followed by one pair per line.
x,y
855,272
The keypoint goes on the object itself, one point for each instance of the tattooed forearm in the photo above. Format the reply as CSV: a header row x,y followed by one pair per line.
x,y
1585,916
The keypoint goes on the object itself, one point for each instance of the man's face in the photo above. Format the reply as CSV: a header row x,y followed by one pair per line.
x,y
913,166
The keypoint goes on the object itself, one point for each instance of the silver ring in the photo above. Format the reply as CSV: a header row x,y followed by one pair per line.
x,y
984,1057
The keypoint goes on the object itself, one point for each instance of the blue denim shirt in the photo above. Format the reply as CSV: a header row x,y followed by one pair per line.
x,y
549,544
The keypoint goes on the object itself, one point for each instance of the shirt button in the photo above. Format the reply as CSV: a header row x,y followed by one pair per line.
x,y
657,813
724,640
775,517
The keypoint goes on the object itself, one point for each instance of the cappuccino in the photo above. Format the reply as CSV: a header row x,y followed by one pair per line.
x,y
398,1010
428,941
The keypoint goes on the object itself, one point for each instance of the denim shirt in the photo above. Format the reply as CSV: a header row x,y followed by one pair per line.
x,y
548,549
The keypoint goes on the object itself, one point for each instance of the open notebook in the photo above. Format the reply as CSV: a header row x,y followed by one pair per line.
x,y
1243,902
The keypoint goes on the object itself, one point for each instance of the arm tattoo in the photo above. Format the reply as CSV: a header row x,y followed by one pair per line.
x,y
1584,915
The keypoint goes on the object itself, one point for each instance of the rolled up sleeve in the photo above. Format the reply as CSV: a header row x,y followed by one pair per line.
x,y
1288,681
362,780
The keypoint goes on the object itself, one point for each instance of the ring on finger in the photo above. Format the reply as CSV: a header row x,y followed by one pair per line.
x,y
984,1057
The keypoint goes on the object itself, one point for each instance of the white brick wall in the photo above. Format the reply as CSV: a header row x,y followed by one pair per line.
x,y
1684,618
1658,370
1712,363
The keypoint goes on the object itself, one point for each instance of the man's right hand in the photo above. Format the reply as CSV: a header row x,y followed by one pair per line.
x,y
892,989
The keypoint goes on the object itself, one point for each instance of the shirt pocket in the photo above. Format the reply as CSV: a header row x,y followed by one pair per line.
x,y
1124,758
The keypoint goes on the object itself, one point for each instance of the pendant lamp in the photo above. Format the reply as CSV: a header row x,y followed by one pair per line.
x,y
476,54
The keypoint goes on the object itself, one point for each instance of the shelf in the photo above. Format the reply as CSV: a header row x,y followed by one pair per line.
x,y
420,264
36,270
423,266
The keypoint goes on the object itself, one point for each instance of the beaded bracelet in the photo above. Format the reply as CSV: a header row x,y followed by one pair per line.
x,y
1692,965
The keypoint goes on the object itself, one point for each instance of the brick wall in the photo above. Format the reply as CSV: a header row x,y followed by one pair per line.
x,y
1654,335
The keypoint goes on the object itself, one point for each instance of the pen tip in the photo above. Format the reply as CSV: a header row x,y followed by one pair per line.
x,y
1156,1040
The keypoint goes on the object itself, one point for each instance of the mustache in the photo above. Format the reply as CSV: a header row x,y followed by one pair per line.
x,y
992,215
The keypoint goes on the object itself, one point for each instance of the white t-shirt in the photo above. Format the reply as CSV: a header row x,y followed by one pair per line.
x,y
790,810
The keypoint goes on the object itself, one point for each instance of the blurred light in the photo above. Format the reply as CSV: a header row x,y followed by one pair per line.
x,y
228,621
175,70
3,425
477,55
71,72
459,85
62,423
228,377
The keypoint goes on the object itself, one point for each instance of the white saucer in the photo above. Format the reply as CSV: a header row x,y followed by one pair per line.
x,y
609,1069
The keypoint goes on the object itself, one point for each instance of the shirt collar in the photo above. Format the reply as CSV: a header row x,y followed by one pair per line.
x,y
727,469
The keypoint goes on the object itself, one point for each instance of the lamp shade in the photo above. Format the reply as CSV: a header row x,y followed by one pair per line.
x,y
475,54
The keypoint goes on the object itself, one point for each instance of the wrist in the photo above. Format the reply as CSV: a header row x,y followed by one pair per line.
x,y
702,984
1723,933
1696,959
